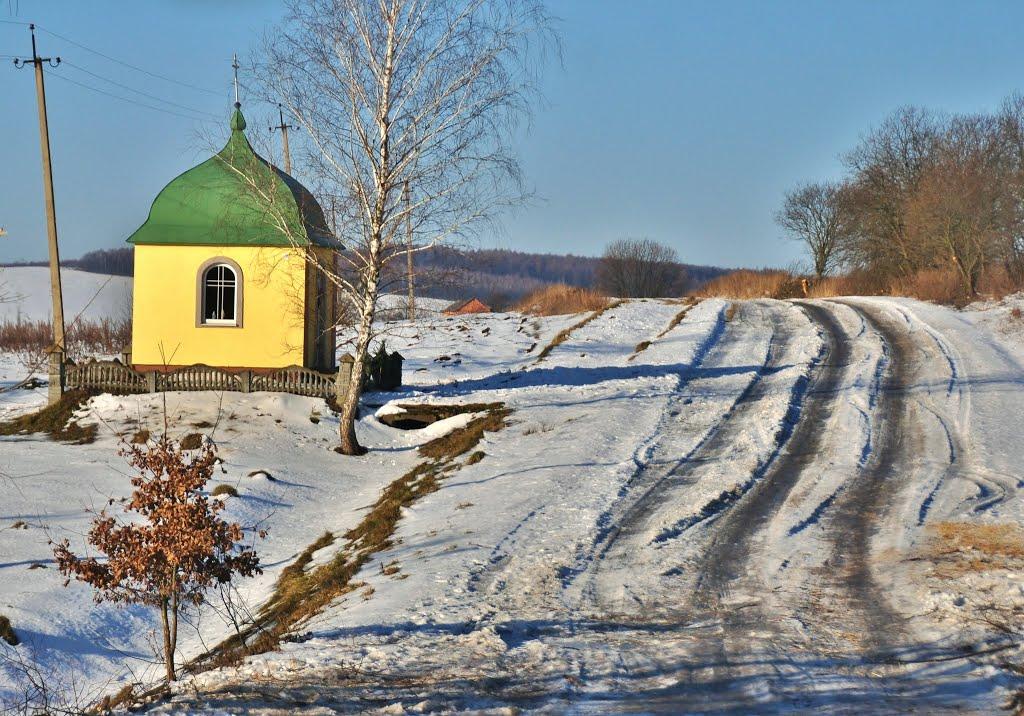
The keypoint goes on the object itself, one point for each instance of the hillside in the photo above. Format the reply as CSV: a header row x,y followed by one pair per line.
x,y
498,275
736,507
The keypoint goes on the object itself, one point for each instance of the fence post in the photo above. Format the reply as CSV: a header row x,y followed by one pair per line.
x,y
394,370
151,381
56,376
344,376
246,376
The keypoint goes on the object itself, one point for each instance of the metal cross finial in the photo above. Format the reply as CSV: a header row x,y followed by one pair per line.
x,y
235,65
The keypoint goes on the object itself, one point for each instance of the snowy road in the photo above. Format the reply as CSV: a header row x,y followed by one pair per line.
x,y
762,555
710,509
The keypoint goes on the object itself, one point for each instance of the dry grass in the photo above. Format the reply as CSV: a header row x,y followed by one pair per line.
x,y
227,490
964,547
564,334
55,420
141,436
938,285
750,283
688,304
84,337
457,442
559,299
856,283
7,632
192,441
640,348
300,594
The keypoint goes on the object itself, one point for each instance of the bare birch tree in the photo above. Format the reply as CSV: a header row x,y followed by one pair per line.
x,y
396,93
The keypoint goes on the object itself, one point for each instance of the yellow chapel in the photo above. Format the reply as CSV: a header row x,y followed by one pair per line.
x,y
226,269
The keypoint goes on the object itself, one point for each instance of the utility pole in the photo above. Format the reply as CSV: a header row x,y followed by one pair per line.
x,y
284,139
51,214
411,307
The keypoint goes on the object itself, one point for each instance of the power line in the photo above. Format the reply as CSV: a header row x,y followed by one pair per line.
x,y
139,92
127,99
130,66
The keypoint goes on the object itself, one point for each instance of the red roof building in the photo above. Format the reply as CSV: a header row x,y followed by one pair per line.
x,y
473,305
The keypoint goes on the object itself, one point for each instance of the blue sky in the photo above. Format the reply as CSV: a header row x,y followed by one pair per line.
x,y
680,121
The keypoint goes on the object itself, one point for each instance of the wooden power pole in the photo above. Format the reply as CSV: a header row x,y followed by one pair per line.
x,y
51,214
284,140
411,308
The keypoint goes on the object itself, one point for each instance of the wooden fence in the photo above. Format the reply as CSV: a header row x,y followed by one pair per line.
x,y
113,376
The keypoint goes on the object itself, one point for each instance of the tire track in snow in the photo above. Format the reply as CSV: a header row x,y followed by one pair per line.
x,y
730,585
733,535
484,576
646,489
953,418
859,507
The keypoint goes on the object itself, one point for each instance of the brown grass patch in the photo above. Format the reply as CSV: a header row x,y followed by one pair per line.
x,y
965,547
996,282
559,299
466,438
564,334
141,437
688,304
938,285
56,421
7,631
228,490
855,283
750,283
678,318
192,441
299,594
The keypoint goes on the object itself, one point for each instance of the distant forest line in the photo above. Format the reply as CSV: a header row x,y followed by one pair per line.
x,y
441,272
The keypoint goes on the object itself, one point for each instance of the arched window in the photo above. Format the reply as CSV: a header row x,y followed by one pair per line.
x,y
220,288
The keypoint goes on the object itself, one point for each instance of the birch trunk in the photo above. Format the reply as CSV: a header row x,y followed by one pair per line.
x,y
350,407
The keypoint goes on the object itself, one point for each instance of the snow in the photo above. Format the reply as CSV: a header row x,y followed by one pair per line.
x,y
90,295
528,578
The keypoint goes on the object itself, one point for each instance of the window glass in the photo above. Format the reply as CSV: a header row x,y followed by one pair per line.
x,y
219,294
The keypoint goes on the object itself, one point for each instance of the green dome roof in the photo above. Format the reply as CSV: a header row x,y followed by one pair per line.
x,y
235,198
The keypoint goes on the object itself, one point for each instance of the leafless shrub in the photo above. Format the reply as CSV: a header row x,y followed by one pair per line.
x,y
640,268
938,285
83,338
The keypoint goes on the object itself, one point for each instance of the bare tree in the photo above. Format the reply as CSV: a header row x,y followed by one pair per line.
x,y
640,268
964,210
814,214
423,94
886,168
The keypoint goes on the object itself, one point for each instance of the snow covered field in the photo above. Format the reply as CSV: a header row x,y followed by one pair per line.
x,y
771,507
91,295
